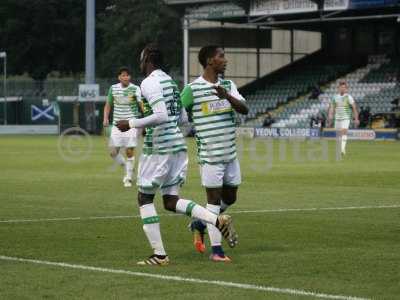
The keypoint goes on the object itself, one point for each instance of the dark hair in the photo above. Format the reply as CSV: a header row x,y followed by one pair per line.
x,y
124,69
207,52
154,55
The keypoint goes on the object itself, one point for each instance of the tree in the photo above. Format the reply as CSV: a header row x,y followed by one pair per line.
x,y
41,36
126,26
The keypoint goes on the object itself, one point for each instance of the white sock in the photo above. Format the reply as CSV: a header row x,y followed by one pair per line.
x,y
129,166
120,159
196,211
213,232
344,140
224,206
151,227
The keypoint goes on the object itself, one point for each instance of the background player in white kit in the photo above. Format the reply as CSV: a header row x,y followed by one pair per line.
x,y
343,107
163,163
125,99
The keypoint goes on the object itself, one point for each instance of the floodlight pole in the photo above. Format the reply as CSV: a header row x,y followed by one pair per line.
x,y
4,56
90,42
90,76
185,50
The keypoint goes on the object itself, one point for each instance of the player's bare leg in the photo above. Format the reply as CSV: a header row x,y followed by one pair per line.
x,y
229,196
129,166
343,140
117,156
214,196
172,202
151,228
221,223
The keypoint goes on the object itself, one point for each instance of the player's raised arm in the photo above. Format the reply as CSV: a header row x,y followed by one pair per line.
x,y
235,99
155,96
159,116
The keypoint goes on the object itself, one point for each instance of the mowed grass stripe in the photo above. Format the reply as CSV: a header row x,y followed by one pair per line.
x,y
288,291
229,212
348,252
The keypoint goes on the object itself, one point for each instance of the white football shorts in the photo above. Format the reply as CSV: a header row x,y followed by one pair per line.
x,y
342,124
166,172
218,175
127,139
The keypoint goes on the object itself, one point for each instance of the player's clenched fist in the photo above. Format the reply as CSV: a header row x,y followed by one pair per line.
x,y
123,125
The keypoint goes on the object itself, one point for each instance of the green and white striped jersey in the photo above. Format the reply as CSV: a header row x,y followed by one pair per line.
x,y
214,120
125,101
343,106
165,138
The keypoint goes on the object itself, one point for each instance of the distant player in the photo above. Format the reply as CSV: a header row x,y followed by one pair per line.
x,y
125,99
163,163
343,106
213,103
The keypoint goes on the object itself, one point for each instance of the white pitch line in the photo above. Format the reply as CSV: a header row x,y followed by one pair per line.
x,y
67,219
314,209
245,286
278,210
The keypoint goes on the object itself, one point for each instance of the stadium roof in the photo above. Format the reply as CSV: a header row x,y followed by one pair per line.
x,y
307,14
184,2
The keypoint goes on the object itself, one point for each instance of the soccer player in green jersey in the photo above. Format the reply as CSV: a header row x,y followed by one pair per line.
x,y
125,99
213,102
163,163
342,106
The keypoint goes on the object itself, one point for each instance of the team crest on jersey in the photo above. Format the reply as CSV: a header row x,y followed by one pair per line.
x,y
131,96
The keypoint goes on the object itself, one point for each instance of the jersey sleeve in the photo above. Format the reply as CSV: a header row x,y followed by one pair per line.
x,y
351,100
187,97
110,98
235,93
152,91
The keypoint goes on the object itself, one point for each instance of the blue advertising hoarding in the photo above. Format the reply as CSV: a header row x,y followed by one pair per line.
x,y
286,132
357,4
312,133
365,134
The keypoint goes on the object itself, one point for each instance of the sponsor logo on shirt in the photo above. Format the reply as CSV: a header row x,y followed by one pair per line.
x,y
215,107
125,99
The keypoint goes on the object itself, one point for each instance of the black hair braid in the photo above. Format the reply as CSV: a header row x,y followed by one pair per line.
x,y
154,56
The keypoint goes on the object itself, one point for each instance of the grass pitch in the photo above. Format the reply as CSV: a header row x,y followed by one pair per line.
x,y
289,236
